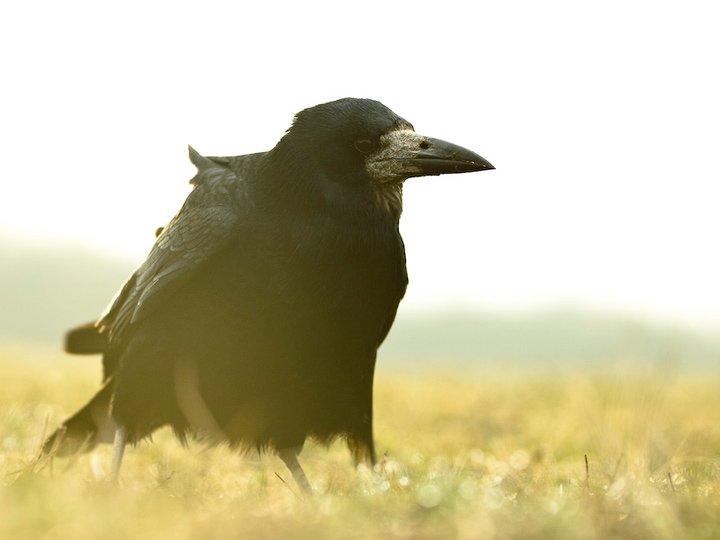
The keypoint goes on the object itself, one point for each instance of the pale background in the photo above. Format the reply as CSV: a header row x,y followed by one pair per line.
x,y
602,118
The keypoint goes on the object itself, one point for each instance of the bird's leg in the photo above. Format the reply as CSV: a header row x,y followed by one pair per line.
x,y
118,451
289,457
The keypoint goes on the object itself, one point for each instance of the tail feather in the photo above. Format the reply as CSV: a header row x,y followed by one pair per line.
x,y
86,339
87,428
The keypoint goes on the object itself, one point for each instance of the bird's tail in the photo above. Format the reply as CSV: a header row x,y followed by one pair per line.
x,y
88,427
86,339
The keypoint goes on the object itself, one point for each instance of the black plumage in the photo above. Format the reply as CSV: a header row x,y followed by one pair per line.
x,y
257,315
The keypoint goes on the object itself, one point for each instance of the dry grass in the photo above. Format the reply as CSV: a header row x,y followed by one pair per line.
x,y
484,455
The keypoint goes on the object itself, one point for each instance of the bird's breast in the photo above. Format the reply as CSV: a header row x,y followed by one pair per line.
x,y
329,277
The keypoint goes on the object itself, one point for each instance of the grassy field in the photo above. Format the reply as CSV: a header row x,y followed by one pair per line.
x,y
490,454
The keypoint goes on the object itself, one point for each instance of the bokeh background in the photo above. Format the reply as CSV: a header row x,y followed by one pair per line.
x,y
553,370
596,235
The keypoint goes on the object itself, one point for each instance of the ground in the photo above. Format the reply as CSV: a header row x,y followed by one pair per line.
x,y
475,453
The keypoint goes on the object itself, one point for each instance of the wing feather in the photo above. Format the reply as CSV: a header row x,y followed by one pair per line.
x,y
206,222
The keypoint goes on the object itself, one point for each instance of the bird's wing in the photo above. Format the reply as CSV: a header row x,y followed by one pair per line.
x,y
206,222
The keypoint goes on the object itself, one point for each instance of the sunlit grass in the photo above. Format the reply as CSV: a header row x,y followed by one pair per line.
x,y
489,454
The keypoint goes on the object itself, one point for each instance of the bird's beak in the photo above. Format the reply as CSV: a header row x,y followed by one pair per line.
x,y
442,157
404,154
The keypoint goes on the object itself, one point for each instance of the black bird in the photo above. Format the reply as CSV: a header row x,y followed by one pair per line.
x,y
257,315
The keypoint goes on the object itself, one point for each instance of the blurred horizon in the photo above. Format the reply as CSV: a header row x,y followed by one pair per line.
x,y
23,249
49,289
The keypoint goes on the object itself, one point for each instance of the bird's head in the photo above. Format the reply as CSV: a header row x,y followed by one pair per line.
x,y
363,136
348,150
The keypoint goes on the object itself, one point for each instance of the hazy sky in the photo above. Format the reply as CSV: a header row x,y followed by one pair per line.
x,y
602,118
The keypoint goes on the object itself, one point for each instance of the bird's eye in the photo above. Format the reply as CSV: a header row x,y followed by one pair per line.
x,y
364,146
